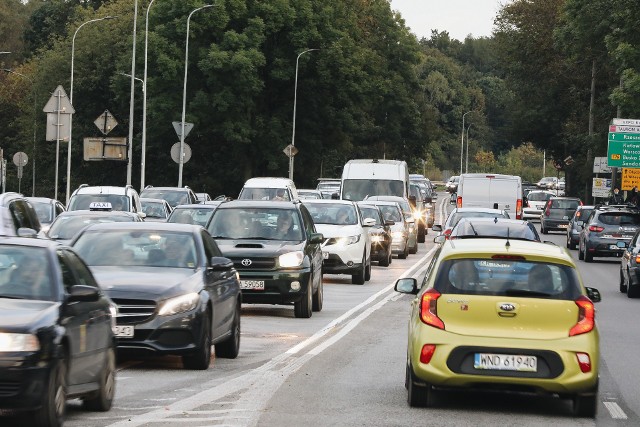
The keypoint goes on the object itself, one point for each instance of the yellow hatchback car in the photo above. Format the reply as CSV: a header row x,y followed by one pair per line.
x,y
506,315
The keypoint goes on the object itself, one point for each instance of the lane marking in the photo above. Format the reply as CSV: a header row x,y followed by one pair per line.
x,y
615,410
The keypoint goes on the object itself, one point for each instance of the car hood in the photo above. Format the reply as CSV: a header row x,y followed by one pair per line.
x,y
330,230
19,315
257,247
145,282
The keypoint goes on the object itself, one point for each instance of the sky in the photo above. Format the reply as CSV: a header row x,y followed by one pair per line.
x,y
458,17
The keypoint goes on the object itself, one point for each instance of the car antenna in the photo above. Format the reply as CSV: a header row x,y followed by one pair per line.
x,y
507,244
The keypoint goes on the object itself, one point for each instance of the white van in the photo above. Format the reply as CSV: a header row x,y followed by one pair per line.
x,y
492,191
265,188
373,177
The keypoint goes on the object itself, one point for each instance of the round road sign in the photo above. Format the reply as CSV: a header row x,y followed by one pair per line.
x,y
20,159
175,149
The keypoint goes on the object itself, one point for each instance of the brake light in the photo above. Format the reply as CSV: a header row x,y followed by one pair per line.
x,y
637,259
519,209
584,361
586,317
459,202
509,257
581,204
427,353
429,309
547,211
596,228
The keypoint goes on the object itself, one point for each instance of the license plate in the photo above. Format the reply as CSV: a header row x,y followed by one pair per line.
x,y
505,362
325,255
564,225
123,331
565,217
619,245
252,284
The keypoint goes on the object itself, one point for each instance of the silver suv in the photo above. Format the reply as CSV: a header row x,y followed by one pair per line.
x,y
121,198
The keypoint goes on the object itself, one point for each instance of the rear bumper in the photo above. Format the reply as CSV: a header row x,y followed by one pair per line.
x,y
555,224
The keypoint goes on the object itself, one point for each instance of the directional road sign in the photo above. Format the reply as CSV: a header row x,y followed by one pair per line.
x,y
626,122
624,150
178,127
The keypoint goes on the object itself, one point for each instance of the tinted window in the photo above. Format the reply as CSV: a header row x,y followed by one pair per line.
x,y
564,204
618,218
258,223
539,197
82,274
66,227
154,209
336,214
391,213
25,273
583,214
174,197
199,216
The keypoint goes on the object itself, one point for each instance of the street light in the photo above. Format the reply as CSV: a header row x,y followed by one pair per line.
x,y
466,166
73,46
184,94
137,78
144,100
462,142
132,90
295,100
35,114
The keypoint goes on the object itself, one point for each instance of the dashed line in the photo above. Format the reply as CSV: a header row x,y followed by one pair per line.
x,y
615,410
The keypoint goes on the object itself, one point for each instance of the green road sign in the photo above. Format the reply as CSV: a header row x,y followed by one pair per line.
x,y
624,150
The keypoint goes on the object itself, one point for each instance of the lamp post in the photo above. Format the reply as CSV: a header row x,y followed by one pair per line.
x,y
462,142
184,94
143,150
136,78
295,100
35,114
132,92
466,166
73,47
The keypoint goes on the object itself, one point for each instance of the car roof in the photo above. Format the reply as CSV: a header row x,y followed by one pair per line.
x,y
152,200
41,199
208,205
268,182
382,203
102,189
86,212
167,188
387,198
258,204
483,210
26,241
328,201
160,226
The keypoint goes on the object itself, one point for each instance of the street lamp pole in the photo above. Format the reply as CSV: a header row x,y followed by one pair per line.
x,y
35,115
132,91
73,47
466,166
136,78
143,158
462,142
295,101
184,95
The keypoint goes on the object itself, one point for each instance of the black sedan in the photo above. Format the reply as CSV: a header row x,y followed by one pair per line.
x,y
174,291
56,339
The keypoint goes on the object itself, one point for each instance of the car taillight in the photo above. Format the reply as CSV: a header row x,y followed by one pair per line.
x,y
584,361
547,211
429,309
427,353
519,209
447,233
637,259
596,228
586,317
459,202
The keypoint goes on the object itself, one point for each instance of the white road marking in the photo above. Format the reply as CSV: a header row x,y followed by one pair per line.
x,y
615,410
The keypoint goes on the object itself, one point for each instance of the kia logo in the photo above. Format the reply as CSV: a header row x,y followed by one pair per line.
x,y
507,307
246,262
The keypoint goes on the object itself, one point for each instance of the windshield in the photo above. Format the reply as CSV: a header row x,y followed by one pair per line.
x,y
620,218
457,216
564,204
25,273
250,193
44,211
359,189
153,209
334,214
66,227
256,224
539,197
391,213
82,201
173,197
471,228
372,213
502,277
199,216
141,248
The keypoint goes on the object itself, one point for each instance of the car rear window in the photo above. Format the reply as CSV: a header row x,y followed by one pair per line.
x,y
500,277
456,217
619,218
471,228
539,197
565,204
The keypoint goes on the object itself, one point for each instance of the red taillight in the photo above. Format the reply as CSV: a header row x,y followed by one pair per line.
x,y
584,361
596,228
429,309
547,212
447,233
427,353
519,209
459,202
509,257
637,259
586,317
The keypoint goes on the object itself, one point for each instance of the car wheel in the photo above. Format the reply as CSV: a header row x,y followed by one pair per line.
x,y
54,403
585,406
571,244
414,250
542,229
580,253
386,260
404,254
588,257
632,291
318,297
103,399
623,285
367,273
418,396
359,277
201,358
421,234
302,309
229,348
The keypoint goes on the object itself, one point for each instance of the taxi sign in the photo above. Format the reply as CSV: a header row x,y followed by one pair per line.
x,y
100,206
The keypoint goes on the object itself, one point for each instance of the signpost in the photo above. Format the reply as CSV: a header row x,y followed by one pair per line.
x,y
186,152
630,178
20,159
600,165
601,187
59,111
624,150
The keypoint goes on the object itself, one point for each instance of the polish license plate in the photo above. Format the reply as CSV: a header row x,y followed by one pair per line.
x,y
505,362
123,331
325,255
252,284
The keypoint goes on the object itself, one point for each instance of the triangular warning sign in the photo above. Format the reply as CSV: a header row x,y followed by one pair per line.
x,y
59,102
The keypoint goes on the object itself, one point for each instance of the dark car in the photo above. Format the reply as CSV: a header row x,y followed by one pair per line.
x,y
608,231
17,216
68,224
501,228
155,210
557,213
576,224
275,248
630,268
174,195
194,214
380,233
175,292
56,341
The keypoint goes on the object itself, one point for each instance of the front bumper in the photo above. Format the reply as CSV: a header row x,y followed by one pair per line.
x,y
343,259
277,286
379,250
22,382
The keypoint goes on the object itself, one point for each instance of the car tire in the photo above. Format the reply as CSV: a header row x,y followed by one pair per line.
x,y
386,260
418,396
542,229
580,253
303,308
318,298
367,272
588,257
585,406
54,405
229,348
103,399
404,254
623,285
421,234
571,245
632,291
201,358
359,277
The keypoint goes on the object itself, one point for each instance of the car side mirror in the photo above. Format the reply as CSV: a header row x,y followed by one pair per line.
x,y
316,238
437,227
406,286
439,239
369,222
593,294
83,293
142,215
220,263
389,222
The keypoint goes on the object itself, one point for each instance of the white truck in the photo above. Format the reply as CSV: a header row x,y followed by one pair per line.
x,y
374,177
494,191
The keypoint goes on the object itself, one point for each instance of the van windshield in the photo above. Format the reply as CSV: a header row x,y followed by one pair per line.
x,y
359,189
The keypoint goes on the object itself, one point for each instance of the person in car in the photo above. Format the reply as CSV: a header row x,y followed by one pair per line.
x,y
29,279
280,195
284,227
342,217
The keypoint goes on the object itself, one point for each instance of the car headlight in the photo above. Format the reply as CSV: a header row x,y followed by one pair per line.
x,y
18,342
417,215
346,241
398,234
113,309
377,238
179,304
291,259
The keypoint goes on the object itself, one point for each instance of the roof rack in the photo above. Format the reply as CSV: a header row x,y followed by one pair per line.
x,y
618,207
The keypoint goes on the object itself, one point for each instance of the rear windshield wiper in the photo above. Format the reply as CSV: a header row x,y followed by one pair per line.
x,y
526,293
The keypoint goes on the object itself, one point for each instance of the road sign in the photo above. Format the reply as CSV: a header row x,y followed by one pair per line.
x,y
105,148
290,150
601,187
106,122
20,159
55,121
59,103
624,150
624,129
630,178
626,122
175,149
600,165
178,127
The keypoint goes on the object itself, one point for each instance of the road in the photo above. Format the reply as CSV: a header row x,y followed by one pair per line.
x,y
345,367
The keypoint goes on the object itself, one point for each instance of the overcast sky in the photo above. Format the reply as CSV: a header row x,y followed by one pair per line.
x,y
459,17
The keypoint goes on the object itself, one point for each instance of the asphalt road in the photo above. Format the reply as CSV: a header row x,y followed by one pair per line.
x,y
345,367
